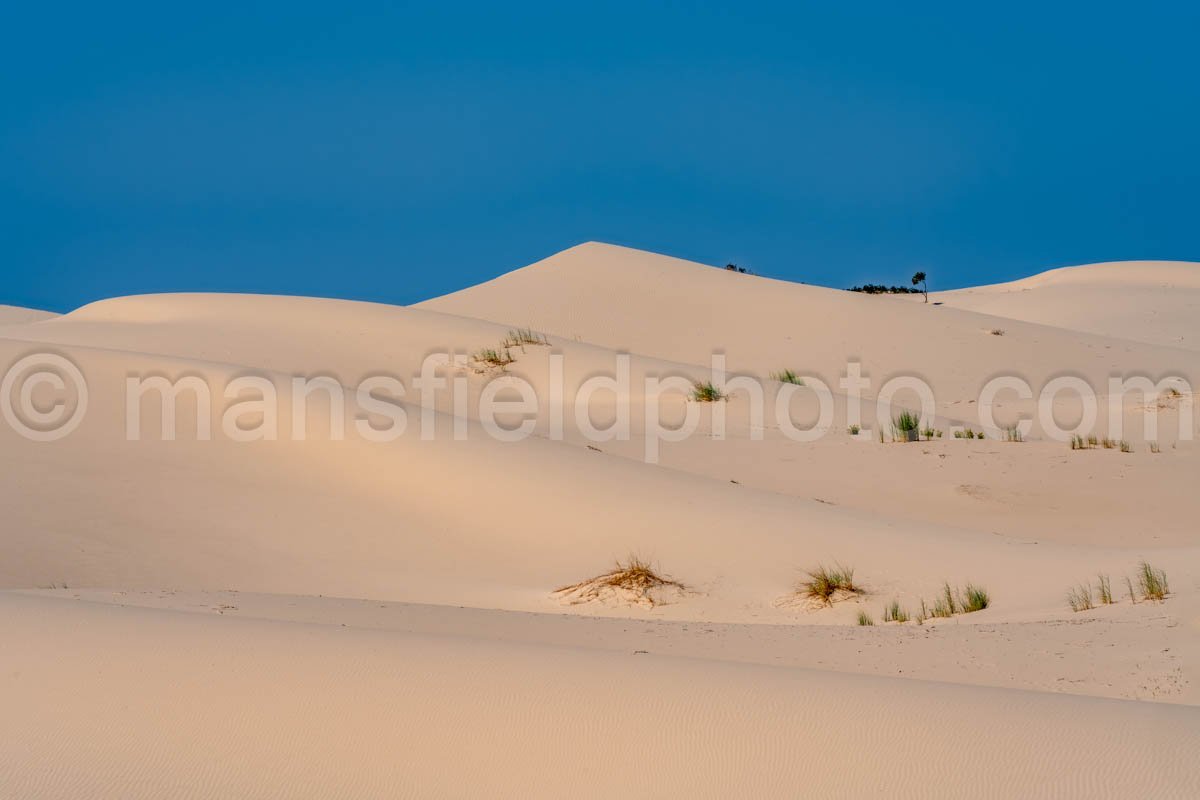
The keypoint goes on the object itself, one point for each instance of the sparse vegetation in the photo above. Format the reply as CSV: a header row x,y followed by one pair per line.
x,y
633,581
829,585
523,336
1012,434
1126,447
1105,589
894,613
906,426
854,430
919,277
1092,441
1129,586
967,600
967,433
876,288
491,357
787,376
1079,598
1107,444
996,331
1152,582
865,619
1076,441
1154,448
974,598
731,267
706,392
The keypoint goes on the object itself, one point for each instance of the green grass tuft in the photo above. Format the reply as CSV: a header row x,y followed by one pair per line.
x,y
1152,582
865,619
829,585
787,376
706,392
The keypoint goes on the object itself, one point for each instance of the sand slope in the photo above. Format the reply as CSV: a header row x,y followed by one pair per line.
x,y
1157,302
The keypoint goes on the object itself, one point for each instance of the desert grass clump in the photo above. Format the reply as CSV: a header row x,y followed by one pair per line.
x,y
1079,598
1129,586
1012,434
894,613
1076,441
1125,446
865,619
1092,441
1154,447
854,430
632,581
906,427
706,392
520,337
1108,444
945,605
973,598
996,331
1104,588
491,357
787,376
827,586
1152,582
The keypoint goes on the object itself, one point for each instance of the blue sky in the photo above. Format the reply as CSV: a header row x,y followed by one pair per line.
x,y
399,151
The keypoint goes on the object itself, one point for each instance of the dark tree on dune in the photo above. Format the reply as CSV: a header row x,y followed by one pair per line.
x,y
920,278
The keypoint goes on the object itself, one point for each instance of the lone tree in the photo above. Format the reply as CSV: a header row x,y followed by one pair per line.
x,y
920,278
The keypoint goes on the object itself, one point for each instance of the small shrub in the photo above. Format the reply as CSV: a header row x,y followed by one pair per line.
x,y
854,430
706,392
865,619
997,331
827,586
894,613
1105,588
1152,582
1126,447
1080,598
787,376
930,433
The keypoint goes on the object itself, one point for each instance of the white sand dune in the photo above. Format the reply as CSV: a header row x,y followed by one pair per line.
x,y
1157,302
306,695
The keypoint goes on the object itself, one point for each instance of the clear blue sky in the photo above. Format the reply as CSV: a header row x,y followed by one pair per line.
x,y
397,152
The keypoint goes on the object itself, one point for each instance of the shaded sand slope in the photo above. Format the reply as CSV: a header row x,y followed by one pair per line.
x,y
210,706
1157,302
682,311
476,522
15,315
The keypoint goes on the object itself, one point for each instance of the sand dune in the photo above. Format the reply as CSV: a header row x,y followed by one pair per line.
x,y
1157,302
292,688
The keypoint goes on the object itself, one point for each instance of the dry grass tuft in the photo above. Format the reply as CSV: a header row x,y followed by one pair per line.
x,y
827,586
706,392
634,581
1079,598
865,619
491,357
523,336
894,613
1152,582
